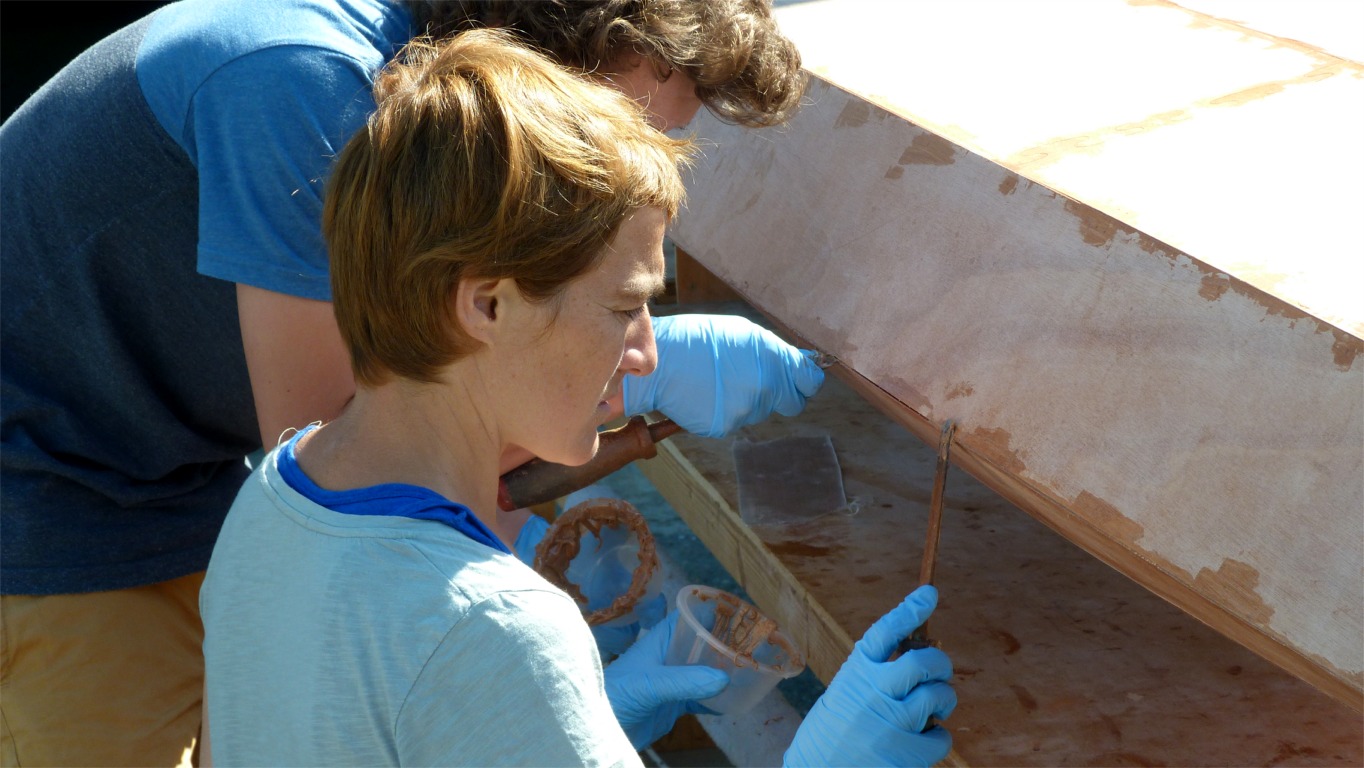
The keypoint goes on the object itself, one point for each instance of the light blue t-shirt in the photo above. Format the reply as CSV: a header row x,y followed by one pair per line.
x,y
342,639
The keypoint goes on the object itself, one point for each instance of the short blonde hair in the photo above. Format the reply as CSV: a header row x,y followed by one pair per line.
x,y
483,160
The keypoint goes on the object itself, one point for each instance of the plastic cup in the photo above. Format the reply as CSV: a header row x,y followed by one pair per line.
x,y
751,676
603,570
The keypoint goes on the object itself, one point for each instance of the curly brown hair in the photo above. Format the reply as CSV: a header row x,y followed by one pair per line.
x,y
747,72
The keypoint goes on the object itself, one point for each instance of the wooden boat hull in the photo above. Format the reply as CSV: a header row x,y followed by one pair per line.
x,y
1194,430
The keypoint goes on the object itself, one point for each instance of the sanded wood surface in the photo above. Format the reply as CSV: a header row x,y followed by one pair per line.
x,y
1059,659
1118,243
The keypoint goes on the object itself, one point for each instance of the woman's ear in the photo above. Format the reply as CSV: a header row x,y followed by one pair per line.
x,y
624,63
479,305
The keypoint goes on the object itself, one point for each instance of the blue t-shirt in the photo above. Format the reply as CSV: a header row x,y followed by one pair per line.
x,y
183,154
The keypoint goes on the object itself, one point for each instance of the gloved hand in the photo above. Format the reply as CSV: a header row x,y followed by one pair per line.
x,y
872,712
615,639
648,696
717,373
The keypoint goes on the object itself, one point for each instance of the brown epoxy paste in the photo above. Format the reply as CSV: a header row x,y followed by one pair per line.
x,y
742,628
563,542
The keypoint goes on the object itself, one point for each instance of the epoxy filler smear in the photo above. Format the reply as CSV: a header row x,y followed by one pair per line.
x,y
564,540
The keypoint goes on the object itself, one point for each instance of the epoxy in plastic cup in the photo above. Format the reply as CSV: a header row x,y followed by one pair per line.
x,y
749,648
603,570
602,554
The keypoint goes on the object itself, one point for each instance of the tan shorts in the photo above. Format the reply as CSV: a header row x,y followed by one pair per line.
x,y
106,678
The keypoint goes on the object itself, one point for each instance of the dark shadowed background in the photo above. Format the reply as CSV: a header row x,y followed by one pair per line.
x,y
38,37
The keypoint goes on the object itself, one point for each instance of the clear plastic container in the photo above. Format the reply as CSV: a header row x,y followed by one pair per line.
x,y
603,570
771,659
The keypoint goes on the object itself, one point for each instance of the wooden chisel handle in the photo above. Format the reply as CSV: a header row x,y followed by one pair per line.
x,y
538,481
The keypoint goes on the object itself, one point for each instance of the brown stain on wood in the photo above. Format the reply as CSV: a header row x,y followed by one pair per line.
x,y
1010,643
1286,311
1025,699
993,445
1233,585
929,149
1151,245
960,389
1346,349
1214,285
895,172
800,549
1108,518
907,393
1009,184
1099,229
855,114
1287,750
1096,227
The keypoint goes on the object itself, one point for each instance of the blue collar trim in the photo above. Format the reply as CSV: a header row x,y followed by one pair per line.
x,y
386,500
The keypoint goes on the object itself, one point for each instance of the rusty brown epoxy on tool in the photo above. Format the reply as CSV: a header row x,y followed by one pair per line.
x,y
742,628
563,542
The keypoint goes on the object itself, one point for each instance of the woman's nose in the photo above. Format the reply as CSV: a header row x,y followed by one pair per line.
x,y
641,354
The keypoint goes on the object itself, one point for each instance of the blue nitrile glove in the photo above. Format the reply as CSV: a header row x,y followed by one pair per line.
x,y
647,695
873,710
529,538
717,373
613,640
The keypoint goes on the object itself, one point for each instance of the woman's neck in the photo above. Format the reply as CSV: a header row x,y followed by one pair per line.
x,y
405,432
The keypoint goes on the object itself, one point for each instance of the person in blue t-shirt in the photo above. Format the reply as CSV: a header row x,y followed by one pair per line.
x,y
166,311
495,233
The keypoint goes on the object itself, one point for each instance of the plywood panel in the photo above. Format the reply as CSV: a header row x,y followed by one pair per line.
x,y
1149,377
1059,659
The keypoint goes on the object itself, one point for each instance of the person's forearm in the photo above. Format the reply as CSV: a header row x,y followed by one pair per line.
x,y
300,370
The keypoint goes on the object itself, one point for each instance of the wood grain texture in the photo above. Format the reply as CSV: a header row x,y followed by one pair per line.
x,y
1142,376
